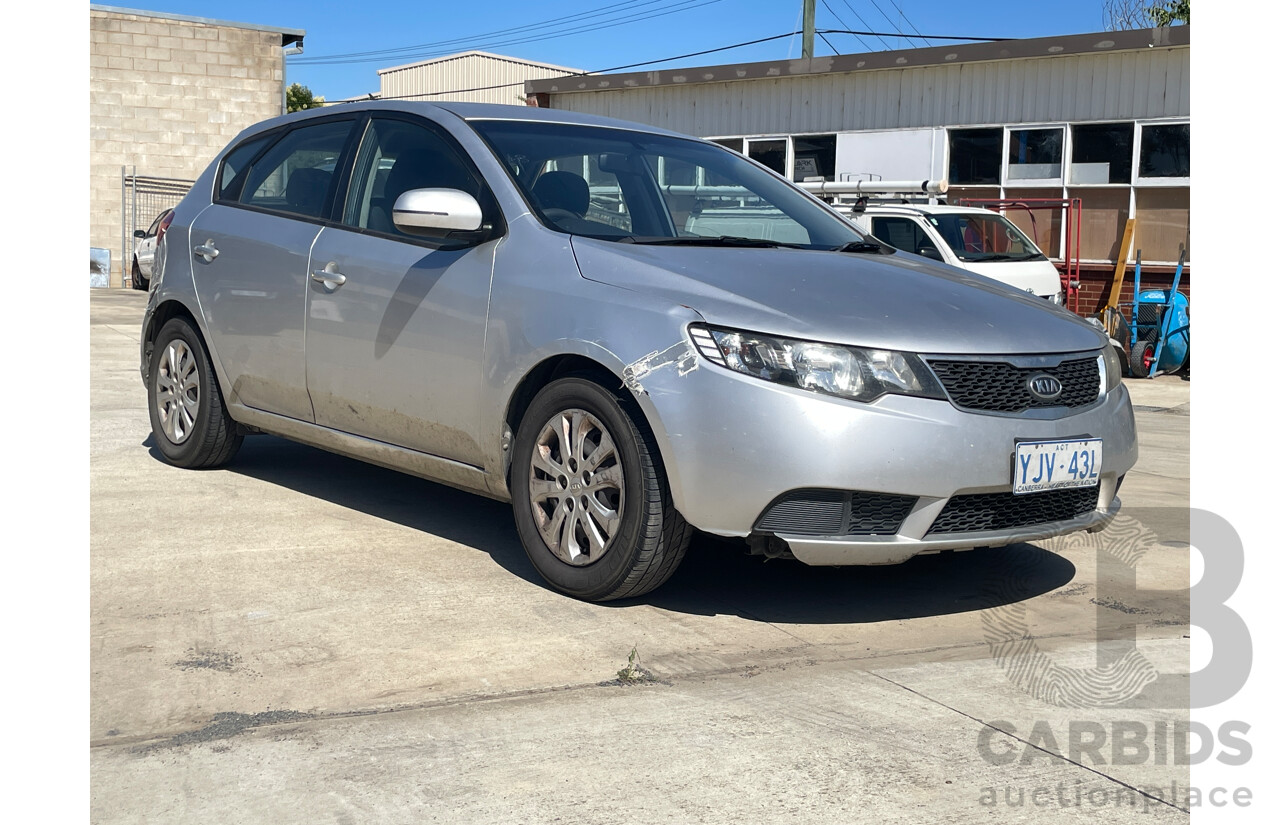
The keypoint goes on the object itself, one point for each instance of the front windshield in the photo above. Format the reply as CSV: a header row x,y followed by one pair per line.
x,y
621,185
979,237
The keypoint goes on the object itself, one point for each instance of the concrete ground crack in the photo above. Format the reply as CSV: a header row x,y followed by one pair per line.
x,y
1045,751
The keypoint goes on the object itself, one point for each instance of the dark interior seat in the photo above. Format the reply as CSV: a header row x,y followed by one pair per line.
x,y
562,190
306,190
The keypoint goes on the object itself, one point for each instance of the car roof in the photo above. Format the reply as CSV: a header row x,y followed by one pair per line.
x,y
467,111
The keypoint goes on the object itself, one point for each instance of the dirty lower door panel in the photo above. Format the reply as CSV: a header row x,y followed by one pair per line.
x,y
394,353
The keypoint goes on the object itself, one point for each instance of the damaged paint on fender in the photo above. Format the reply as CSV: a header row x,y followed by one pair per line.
x,y
680,354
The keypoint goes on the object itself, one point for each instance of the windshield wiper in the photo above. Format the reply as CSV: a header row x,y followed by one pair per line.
x,y
707,240
865,246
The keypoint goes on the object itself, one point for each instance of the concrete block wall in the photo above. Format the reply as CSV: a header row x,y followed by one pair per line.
x,y
166,95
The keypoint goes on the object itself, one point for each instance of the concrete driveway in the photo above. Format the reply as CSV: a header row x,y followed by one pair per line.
x,y
305,638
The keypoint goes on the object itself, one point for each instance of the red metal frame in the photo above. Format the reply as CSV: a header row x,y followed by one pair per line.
x,y
1069,268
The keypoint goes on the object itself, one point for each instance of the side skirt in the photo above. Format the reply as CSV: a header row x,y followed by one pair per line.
x,y
433,468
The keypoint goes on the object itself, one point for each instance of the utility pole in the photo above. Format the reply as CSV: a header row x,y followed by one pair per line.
x,y
806,44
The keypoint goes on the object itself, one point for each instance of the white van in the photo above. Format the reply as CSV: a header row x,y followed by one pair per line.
x,y
971,238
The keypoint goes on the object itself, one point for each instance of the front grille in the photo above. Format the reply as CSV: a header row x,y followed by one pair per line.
x,y
1004,511
998,386
835,513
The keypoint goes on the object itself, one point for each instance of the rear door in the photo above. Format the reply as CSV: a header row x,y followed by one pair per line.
x,y
394,351
250,254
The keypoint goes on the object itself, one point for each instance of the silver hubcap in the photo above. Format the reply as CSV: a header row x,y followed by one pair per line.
x,y
575,487
177,391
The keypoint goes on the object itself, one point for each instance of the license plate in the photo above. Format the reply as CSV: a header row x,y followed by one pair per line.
x,y
1055,465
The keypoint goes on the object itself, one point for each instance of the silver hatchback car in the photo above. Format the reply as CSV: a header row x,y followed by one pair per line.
x,y
628,334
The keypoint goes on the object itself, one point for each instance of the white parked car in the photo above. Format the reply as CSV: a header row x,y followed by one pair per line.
x,y
144,253
971,238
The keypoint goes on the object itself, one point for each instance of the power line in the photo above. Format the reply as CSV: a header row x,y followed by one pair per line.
x,y
864,43
865,23
601,71
923,36
819,32
631,16
828,42
886,17
613,8
908,19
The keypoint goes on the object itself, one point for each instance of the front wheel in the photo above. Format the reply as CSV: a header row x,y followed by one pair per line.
x,y
189,420
590,495
135,278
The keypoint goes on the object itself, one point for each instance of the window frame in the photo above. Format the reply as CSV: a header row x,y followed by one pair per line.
x,y
341,168
1006,162
1138,180
489,206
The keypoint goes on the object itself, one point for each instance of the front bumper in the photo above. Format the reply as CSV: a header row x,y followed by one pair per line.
x,y
733,444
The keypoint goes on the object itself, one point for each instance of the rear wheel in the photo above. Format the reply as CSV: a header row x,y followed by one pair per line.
x,y
189,420
590,495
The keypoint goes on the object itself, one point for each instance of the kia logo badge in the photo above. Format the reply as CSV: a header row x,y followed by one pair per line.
x,y
1044,387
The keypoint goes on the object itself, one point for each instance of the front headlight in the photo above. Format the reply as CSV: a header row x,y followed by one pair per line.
x,y
1108,369
848,372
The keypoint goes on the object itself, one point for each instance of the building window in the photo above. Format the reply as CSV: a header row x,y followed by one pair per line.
x,y
730,143
772,153
815,157
1101,153
975,155
1165,152
1035,154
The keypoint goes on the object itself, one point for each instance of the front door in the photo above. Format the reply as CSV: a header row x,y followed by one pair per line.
x,y
395,345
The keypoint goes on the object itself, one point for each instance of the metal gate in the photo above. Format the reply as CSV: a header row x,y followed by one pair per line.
x,y
142,199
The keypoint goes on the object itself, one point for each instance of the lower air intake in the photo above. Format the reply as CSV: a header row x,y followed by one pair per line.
x,y
816,512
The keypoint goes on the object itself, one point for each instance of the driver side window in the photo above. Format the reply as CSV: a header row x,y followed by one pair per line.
x,y
396,156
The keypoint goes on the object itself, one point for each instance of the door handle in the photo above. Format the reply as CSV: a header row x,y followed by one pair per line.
x,y
207,251
329,276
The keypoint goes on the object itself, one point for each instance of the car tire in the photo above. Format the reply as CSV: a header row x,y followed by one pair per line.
x,y
562,501
1140,357
189,420
135,278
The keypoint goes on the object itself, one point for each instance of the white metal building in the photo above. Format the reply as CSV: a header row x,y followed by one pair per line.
x,y
1103,117
473,77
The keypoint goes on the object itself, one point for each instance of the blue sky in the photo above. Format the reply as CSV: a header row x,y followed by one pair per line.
x,y
656,29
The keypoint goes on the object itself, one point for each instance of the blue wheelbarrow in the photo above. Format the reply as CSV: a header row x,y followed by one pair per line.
x,y
1159,326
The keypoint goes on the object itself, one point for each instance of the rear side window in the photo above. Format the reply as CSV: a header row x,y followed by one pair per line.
x,y
236,164
297,174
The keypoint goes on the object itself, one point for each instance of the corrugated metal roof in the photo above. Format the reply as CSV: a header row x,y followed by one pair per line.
x,y
473,76
1057,46
476,53
1102,84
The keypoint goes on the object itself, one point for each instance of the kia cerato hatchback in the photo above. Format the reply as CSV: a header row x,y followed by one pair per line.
x,y
626,333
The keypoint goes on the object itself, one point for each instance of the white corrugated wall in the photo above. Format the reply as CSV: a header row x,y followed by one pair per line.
x,y
425,81
1151,83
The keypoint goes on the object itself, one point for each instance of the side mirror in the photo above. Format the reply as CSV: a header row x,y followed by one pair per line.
x,y
436,212
139,233
930,252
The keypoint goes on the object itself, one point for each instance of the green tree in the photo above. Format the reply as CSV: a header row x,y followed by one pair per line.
x,y
299,97
1140,14
1173,11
